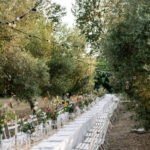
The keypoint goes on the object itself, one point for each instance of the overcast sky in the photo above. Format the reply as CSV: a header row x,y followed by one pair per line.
x,y
69,19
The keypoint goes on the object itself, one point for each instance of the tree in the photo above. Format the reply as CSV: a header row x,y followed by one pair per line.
x,y
95,17
69,64
103,74
21,74
122,36
38,59
126,47
53,12
87,15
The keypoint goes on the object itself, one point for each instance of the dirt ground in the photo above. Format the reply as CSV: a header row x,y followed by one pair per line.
x,y
21,108
120,138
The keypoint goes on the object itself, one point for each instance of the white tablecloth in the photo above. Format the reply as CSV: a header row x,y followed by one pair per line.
x,y
67,137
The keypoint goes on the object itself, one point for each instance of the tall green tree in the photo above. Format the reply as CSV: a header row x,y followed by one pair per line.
x,y
22,75
126,47
53,12
69,63
123,38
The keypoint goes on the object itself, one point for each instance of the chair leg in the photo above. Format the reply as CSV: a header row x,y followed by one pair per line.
x,y
101,148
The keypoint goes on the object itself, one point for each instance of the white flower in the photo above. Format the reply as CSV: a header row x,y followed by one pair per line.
x,y
35,108
5,105
29,120
36,103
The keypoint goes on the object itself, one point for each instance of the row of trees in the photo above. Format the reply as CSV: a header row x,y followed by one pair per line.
x,y
121,33
55,64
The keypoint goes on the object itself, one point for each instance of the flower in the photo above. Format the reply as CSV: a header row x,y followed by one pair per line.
x,y
45,99
4,106
35,108
74,101
60,104
66,104
11,122
74,108
56,100
36,103
48,109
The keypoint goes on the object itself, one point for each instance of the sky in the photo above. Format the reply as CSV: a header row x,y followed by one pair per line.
x,y
69,18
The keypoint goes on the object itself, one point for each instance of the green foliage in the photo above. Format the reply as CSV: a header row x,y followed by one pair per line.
x,y
28,128
69,69
61,70
32,67
70,107
120,29
53,12
127,50
87,15
21,74
103,75
95,17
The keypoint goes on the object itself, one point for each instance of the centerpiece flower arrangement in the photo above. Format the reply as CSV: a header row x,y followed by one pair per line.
x,y
52,111
80,102
27,125
2,118
40,114
70,106
6,116
88,100
101,92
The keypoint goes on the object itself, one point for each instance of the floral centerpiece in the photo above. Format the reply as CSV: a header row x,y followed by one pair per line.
x,y
88,100
40,114
80,102
6,116
101,92
27,125
52,111
2,118
69,107
28,128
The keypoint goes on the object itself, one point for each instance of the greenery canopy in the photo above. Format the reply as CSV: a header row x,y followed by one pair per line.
x,y
123,39
47,65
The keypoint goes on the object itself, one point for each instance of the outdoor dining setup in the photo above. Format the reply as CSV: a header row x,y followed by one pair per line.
x,y
77,123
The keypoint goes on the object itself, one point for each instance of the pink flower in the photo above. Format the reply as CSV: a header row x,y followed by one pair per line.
x,y
74,108
26,118
48,109
60,104
11,122
74,101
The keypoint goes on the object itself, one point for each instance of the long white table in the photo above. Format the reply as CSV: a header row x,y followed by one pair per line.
x,y
68,136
